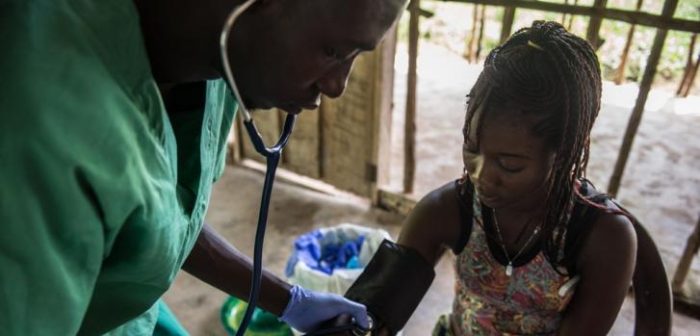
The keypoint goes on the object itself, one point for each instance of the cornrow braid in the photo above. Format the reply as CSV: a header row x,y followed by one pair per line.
x,y
554,76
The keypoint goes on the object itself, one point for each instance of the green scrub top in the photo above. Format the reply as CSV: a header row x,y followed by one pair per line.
x,y
102,194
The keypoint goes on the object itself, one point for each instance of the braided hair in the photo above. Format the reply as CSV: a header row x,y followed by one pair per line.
x,y
553,76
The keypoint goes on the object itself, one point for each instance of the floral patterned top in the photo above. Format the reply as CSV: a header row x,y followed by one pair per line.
x,y
489,302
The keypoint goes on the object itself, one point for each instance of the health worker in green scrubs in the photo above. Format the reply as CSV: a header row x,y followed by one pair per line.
x,y
113,123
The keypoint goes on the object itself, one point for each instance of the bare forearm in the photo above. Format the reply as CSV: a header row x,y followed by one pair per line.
x,y
216,262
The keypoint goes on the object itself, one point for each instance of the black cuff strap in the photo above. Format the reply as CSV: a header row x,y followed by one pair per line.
x,y
392,285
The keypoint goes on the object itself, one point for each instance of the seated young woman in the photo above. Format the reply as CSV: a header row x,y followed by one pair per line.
x,y
538,249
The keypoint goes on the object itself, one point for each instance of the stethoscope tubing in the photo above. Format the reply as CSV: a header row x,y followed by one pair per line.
x,y
272,156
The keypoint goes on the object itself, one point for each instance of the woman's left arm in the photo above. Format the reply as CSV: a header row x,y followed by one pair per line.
x,y
605,263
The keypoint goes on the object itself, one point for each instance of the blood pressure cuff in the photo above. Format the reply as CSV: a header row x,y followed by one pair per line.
x,y
392,285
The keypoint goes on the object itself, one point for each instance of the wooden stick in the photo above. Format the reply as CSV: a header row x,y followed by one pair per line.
x,y
425,13
469,53
594,23
234,147
321,149
410,125
482,23
571,18
691,249
395,202
688,65
563,15
507,26
636,117
240,130
691,78
620,73
638,18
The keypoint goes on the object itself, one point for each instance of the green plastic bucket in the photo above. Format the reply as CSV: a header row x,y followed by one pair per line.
x,y
262,323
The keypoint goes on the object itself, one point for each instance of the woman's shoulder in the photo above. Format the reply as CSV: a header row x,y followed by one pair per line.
x,y
441,206
435,220
603,226
440,199
612,228
598,209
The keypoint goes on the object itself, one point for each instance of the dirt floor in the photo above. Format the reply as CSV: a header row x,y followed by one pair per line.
x,y
233,212
296,210
661,186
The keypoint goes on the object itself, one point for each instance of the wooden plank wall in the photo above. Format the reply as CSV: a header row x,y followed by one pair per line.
x,y
347,130
341,142
302,154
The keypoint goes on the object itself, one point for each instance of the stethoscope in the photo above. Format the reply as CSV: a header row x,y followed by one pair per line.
x,y
272,155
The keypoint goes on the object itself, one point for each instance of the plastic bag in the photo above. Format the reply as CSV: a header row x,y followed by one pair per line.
x,y
313,264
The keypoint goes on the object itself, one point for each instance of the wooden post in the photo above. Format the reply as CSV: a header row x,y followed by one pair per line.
x,y
410,125
321,149
636,117
507,25
380,158
563,15
592,35
571,18
482,23
691,249
688,65
240,132
691,78
234,147
469,53
620,73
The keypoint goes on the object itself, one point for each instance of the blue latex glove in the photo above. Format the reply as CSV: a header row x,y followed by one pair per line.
x,y
307,309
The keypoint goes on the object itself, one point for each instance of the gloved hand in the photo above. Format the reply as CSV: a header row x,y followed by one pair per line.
x,y
307,309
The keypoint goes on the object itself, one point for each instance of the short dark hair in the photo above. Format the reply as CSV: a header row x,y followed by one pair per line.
x,y
553,76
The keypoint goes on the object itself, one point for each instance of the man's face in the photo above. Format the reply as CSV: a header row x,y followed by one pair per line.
x,y
296,50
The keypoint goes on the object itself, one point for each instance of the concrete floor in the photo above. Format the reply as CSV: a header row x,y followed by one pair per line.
x,y
296,210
